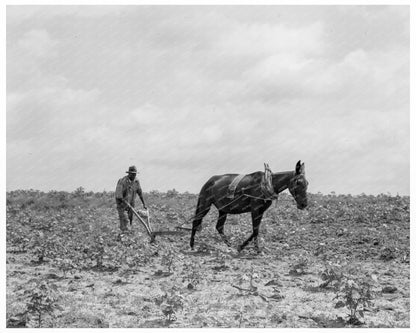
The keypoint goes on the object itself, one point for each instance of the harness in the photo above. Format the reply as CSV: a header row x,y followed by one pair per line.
x,y
266,186
232,187
266,189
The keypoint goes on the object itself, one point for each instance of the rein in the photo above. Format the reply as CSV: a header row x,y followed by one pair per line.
x,y
260,198
273,197
232,201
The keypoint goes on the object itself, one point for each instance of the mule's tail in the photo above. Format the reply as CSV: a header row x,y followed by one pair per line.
x,y
205,200
202,209
198,205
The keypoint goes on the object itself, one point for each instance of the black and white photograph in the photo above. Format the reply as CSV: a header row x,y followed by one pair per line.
x,y
179,165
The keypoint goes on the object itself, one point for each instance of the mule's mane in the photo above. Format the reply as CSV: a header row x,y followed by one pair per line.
x,y
283,172
281,183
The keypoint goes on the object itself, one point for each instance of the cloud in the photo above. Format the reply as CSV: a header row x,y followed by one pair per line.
x,y
27,57
357,78
18,14
372,79
186,92
37,43
48,110
270,39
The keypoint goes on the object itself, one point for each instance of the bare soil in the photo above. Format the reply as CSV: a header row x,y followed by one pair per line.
x,y
130,282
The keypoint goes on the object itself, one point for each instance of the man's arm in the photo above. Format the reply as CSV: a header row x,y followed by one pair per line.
x,y
119,192
140,193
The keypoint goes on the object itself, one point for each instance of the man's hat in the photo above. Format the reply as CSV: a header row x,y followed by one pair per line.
x,y
132,169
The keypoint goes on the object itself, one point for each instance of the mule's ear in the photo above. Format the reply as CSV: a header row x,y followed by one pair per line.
x,y
302,169
298,168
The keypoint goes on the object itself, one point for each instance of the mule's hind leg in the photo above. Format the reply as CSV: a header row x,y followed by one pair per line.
x,y
220,227
201,211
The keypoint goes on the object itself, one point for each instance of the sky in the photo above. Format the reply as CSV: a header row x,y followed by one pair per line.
x,y
187,92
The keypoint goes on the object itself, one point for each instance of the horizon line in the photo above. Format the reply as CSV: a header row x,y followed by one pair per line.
x,y
388,193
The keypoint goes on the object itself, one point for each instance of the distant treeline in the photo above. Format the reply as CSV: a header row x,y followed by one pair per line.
x,y
38,200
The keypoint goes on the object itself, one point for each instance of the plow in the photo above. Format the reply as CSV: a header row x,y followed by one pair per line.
x,y
144,217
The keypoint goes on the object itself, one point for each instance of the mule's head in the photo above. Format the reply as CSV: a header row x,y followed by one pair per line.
x,y
298,186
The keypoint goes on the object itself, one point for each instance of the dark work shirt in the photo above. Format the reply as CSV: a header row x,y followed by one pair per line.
x,y
127,189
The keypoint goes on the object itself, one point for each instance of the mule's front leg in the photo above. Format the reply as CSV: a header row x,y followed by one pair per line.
x,y
256,217
256,245
220,227
192,241
248,240
242,246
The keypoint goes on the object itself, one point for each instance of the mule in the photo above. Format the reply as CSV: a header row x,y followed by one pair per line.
x,y
248,197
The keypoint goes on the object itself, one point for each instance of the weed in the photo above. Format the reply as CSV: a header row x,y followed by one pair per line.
x,y
42,301
65,265
299,267
388,253
331,274
168,260
240,316
98,251
355,296
192,275
171,304
44,245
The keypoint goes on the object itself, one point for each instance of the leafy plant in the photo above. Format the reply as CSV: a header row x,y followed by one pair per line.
x,y
168,260
65,265
42,301
388,253
331,274
299,267
172,304
139,259
354,296
44,245
192,274
98,250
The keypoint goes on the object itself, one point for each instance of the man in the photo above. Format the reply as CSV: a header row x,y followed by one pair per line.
x,y
126,190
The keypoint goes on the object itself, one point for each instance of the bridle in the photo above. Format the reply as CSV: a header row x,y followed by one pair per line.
x,y
295,189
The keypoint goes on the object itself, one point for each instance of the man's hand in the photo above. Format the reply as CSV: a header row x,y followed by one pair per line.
x,y
126,204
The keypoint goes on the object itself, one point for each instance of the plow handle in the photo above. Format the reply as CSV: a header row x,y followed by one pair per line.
x,y
149,231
